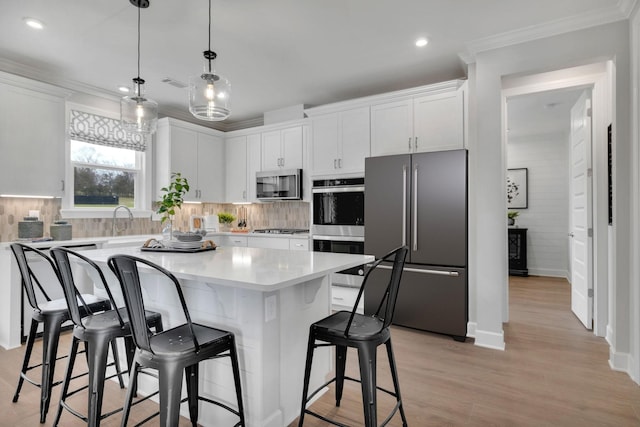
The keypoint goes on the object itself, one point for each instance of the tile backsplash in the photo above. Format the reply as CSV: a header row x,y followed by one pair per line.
x,y
259,215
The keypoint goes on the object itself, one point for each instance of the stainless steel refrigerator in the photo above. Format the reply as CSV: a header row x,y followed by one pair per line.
x,y
420,200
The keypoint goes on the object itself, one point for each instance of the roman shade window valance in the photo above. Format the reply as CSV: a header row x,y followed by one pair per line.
x,y
102,130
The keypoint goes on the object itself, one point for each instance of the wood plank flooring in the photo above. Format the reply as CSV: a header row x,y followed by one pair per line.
x,y
553,373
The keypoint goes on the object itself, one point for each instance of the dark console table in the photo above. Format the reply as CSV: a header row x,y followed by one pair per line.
x,y
517,250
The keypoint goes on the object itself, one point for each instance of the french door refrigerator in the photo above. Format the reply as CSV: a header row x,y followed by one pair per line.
x,y
420,200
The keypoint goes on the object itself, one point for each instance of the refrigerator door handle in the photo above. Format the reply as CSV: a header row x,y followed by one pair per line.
x,y
423,271
415,208
404,205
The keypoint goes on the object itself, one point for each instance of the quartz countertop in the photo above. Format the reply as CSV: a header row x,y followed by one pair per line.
x,y
243,267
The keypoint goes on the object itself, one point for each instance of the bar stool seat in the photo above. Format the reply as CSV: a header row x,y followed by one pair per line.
x,y
51,313
345,329
99,332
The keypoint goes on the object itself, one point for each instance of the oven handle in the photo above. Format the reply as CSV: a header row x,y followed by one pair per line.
x,y
340,238
338,190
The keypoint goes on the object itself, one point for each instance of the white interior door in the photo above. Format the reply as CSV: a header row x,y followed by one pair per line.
x,y
580,219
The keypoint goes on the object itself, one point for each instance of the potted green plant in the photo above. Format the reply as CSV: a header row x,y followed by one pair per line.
x,y
226,219
512,215
172,199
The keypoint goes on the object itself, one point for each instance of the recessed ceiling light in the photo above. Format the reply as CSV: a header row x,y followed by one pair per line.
x,y
422,42
34,23
124,89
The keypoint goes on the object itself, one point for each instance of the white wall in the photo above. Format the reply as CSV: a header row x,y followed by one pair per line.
x,y
547,216
488,221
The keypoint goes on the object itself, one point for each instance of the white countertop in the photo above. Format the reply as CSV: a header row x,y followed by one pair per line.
x,y
248,268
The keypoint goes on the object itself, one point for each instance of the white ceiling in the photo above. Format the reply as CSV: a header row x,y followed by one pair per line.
x,y
276,53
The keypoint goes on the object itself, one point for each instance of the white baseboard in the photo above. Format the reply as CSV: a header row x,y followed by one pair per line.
x,y
548,272
471,329
491,340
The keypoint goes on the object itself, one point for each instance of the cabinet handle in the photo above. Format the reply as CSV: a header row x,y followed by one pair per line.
x,y
62,184
244,195
416,146
335,163
409,143
425,271
404,205
415,208
340,163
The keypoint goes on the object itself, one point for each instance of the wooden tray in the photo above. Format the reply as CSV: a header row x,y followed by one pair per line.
x,y
181,250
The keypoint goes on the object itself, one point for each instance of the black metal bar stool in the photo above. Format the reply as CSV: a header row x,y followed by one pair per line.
x,y
174,350
52,313
345,329
98,332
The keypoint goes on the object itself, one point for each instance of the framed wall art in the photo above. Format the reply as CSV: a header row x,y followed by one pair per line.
x,y
517,188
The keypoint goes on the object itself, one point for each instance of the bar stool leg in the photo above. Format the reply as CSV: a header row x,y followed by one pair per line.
x,y
191,373
396,383
67,378
236,378
27,356
98,350
50,337
341,360
307,375
367,358
170,384
131,391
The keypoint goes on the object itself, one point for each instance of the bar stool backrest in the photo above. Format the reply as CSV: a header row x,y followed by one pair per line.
x,y
126,270
387,304
29,279
62,258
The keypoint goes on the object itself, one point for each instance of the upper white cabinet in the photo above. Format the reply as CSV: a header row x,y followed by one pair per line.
x,y
282,148
198,153
432,121
242,163
32,139
340,141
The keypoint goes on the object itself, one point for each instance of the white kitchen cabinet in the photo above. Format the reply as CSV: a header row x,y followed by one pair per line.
x,y
282,148
32,140
242,163
268,242
340,142
299,244
344,298
230,240
432,121
198,153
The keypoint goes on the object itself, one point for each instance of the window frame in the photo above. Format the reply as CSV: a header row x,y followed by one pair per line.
x,y
143,187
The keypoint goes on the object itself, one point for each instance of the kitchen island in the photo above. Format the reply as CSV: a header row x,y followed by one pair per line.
x,y
267,298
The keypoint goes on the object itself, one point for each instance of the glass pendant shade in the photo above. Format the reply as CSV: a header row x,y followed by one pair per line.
x,y
209,95
137,113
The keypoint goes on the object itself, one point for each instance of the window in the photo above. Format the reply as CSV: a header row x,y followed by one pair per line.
x,y
103,176
106,167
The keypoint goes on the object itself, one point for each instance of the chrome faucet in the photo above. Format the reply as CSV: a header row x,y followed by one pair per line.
x,y
113,223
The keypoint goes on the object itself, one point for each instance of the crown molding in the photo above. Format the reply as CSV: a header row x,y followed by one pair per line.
x,y
621,11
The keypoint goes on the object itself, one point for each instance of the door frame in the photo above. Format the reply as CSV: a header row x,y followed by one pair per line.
x,y
599,78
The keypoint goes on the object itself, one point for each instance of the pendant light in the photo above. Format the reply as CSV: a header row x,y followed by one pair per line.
x,y
137,113
209,92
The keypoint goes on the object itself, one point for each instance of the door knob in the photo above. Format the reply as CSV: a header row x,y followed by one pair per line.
x,y
571,234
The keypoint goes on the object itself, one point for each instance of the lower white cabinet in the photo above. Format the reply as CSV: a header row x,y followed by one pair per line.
x,y
230,240
268,243
344,298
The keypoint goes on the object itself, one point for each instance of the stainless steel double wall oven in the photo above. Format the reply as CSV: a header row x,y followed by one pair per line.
x,y
338,222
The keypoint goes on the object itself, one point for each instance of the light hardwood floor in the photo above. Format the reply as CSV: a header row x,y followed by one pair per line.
x,y
553,373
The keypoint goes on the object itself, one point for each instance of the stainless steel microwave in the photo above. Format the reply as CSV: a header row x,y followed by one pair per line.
x,y
285,184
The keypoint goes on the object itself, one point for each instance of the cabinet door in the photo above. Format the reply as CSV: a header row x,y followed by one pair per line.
x,y
324,134
184,158
254,155
268,242
354,126
236,169
292,147
392,128
32,160
271,153
210,168
439,121
299,244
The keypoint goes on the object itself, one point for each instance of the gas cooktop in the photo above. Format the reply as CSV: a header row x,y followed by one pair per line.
x,y
281,230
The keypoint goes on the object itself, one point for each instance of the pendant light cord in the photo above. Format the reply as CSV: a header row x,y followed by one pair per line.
x,y
139,43
209,48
